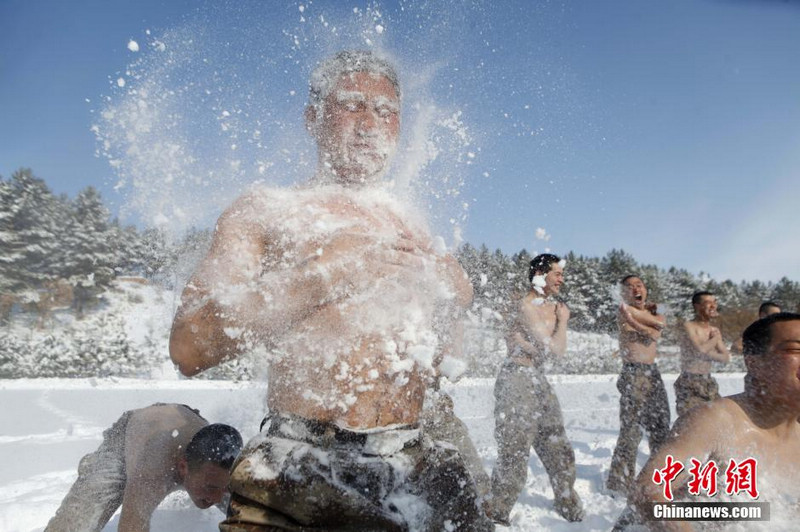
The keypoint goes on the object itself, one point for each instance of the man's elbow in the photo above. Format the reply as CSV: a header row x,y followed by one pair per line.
x,y
184,353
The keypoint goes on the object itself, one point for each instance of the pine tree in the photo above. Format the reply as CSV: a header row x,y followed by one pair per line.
x,y
32,223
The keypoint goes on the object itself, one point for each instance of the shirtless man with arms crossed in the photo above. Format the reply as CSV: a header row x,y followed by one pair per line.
x,y
701,344
759,423
643,401
346,287
527,412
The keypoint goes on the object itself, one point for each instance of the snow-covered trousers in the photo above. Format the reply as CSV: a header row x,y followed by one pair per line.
x,y
693,389
643,405
439,422
304,475
527,413
97,493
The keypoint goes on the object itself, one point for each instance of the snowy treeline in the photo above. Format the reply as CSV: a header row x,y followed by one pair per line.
x,y
67,310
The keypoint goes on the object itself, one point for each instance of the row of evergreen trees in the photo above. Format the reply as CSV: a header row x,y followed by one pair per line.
x,y
44,237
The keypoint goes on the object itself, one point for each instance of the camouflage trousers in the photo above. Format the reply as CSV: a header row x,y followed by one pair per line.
x,y
527,413
97,493
693,389
440,423
643,405
304,475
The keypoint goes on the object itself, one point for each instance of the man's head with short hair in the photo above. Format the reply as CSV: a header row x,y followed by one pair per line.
x,y
698,296
705,305
771,348
758,335
549,271
354,115
767,308
325,77
634,292
207,461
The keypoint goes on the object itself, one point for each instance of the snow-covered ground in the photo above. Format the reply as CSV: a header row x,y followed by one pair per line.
x,y
46,425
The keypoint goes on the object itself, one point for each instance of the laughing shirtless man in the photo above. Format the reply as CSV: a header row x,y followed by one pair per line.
x,y
759,423
643,401
345,285
701,344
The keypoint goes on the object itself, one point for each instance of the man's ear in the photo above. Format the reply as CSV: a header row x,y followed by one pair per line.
x,y
311,119
183,467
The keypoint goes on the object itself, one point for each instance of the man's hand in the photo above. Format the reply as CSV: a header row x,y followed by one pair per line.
x,y
562,313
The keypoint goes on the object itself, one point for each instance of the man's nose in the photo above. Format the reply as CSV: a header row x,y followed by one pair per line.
x,y
367,119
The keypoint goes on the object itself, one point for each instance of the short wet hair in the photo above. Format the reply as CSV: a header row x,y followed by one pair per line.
x,y
698,296
325,76
757,336
629,277
541,264
767,304
218,444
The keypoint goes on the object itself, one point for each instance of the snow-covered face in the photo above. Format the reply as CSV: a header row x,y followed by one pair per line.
x,y
357,132
706,308
206,484
634,292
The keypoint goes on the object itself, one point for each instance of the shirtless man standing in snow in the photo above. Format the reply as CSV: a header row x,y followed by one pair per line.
x,y
527,412
701,344
349,292
643,402
759,423
145,455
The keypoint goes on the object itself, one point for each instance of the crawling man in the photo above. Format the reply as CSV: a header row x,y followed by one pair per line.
x,y
147,454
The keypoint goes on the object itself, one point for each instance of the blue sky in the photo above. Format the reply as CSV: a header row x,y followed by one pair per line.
x,y
668,129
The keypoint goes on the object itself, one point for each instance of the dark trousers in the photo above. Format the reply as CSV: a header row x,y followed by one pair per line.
x,y
643,405
527,414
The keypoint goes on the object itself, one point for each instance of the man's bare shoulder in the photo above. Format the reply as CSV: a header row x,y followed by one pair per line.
x,y
725,414
254,205
166,413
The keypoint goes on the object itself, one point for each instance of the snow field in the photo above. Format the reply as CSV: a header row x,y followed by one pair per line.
x,y
47,425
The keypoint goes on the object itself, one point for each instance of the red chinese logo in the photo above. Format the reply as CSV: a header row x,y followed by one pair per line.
x,y
704,478
739,477
665,476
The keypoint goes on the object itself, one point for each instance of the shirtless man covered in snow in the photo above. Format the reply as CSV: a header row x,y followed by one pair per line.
x,y
643,402
760,423
145,455
701,344
345,286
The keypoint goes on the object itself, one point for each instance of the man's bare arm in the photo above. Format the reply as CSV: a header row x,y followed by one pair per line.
x,y
647,318
139,501
712,347
558,340
694,435
723,355
627,318
229,295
